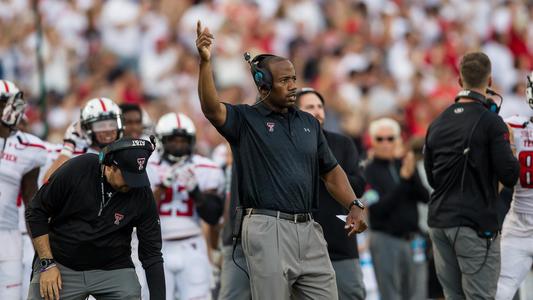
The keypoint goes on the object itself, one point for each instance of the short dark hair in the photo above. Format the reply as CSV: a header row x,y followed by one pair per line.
x,y
475,69
267,62
127,107
307,90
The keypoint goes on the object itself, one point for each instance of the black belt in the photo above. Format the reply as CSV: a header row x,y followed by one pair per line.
x,y
296,218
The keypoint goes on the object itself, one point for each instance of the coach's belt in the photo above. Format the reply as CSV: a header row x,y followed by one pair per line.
x,y
296,218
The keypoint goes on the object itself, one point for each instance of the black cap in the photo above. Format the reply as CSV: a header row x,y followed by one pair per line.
x,y
132,163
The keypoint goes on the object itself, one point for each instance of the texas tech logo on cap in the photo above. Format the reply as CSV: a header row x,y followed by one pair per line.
x,y
140,162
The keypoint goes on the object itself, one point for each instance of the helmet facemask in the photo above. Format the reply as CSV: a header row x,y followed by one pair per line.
x,y
13,110
176,154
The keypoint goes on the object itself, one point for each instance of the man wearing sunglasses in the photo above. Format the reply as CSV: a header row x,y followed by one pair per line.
x,y
394,189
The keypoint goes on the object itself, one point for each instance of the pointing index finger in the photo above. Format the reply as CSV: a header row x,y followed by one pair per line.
x,y
198,28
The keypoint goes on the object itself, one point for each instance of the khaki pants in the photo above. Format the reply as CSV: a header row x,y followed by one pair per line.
x,y
287,260
120,284
466,270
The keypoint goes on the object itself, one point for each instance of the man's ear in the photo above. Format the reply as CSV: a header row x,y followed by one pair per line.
x,y
460,81
490,81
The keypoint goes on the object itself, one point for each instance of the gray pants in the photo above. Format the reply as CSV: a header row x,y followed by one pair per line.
x,y
287,260
120,284
349,277
234,285
400,274
465,270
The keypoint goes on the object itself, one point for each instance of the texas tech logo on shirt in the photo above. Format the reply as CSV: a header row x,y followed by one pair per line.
x,y
140,162
118,218
270,126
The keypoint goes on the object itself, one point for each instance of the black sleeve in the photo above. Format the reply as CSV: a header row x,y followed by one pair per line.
x,y
231,128
326,160
428,162
149,234
155,278
420,192
49,200
351,167
505,163
210,207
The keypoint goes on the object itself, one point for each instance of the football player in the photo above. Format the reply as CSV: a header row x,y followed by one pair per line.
x,y
188,188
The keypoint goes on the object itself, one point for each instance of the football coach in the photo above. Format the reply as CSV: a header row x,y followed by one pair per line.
x,y
81,222
280,154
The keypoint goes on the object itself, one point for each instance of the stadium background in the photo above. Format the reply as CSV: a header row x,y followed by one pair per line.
x,y
369,58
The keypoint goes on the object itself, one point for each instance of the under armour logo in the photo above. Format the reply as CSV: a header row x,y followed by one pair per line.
x,y
118,218
140,162
270,126
307,129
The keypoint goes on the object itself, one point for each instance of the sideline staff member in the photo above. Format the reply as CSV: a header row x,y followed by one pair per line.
x,y
467,152
93,204
342,249
279,153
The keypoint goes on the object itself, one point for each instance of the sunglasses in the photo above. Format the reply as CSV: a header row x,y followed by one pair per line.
x,y
389,139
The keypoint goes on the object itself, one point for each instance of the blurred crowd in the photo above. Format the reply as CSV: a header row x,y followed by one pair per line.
x,y
369,58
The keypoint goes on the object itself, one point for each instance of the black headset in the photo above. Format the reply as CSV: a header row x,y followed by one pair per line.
x,y
262,76
106,154
485,101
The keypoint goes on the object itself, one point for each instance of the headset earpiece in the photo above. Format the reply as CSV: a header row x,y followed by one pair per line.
x,y
262,77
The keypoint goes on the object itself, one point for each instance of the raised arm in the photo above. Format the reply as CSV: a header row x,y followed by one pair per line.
x,y
213,110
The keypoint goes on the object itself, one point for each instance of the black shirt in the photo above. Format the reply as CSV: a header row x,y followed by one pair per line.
x,y
394,207
278,158
490,160
82,240
340,245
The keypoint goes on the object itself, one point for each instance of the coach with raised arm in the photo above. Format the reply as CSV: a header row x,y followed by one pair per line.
x,y
81,222
467,152
280,154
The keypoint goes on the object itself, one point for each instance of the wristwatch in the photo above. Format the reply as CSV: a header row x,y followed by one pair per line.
x,y
46,263
357,203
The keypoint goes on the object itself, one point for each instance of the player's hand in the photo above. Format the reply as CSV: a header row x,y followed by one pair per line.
x,y
408,165
186,177
75,137
50,283
355,221
204,39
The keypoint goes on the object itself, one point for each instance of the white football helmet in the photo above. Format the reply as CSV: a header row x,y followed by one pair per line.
x,y
529,89
100,114
175,124
14,104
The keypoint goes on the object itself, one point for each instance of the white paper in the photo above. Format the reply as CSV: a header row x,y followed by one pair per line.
x,y
342,217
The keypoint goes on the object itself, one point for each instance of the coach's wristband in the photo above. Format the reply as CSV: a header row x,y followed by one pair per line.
x,y
47,268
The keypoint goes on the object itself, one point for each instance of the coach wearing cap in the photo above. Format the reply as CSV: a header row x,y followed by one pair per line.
x,y
81,223
280,154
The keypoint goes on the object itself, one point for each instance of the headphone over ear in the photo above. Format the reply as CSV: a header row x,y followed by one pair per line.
x,y
106,154
261,76
488,103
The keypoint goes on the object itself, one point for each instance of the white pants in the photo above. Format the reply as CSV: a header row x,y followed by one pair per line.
x,y
187,269
516,253
27,264
10,264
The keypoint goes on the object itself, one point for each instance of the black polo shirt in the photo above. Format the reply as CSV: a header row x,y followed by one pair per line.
x,y
278,157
